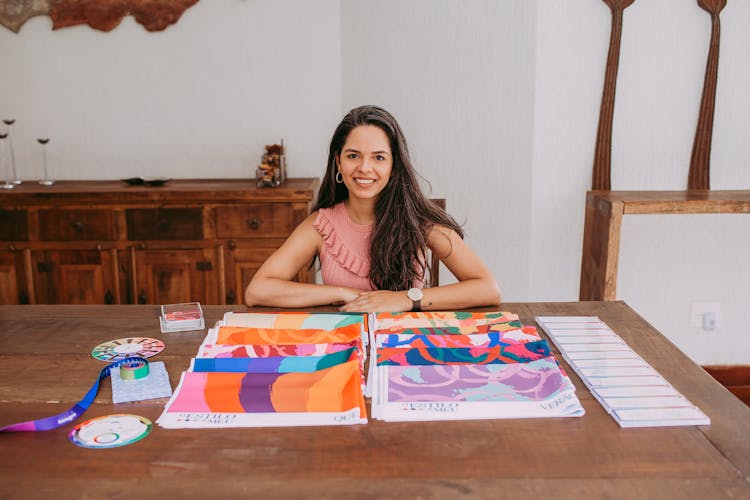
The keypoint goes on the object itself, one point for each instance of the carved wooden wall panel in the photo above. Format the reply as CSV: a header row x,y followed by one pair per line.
x,y
700,159
603,149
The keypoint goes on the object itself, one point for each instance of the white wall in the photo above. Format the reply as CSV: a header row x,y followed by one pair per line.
x,y
199,99
499,100
666,262
572,43
459,78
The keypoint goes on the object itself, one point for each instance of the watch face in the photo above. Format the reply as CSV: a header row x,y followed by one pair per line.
x,y
415,294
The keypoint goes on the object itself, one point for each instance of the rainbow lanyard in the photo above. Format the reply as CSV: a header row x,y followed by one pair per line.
x,y
66,417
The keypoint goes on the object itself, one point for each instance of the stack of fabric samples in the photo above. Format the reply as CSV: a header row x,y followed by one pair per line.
x,y
464,365
274,369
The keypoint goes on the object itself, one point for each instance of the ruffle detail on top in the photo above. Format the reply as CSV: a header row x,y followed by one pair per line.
x,y
346,257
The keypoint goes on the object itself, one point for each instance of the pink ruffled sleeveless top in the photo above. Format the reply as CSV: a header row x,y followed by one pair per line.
x,y
345,256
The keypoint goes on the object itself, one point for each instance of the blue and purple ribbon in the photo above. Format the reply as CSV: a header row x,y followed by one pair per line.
x,y
66,417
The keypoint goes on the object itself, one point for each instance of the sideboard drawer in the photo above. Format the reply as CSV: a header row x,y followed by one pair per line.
x,y
76,225
14,225
246,221
165,223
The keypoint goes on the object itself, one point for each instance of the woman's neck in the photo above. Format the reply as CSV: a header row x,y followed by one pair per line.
x,y
361,211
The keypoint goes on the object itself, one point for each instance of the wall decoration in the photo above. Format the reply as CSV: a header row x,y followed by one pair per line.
x,y
103,15
603,150
13,13
700,159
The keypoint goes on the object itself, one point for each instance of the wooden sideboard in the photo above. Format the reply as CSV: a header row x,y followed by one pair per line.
x,y
106,242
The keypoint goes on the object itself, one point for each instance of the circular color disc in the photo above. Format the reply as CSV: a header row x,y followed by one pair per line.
x,y
110,431
115,350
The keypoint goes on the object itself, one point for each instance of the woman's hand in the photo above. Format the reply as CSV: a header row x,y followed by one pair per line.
x,y
378,301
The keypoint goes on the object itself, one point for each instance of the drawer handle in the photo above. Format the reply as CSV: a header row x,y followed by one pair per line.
x,y
109,298
231,297
231,245
204,265
142,299
254,223
45,267
78,225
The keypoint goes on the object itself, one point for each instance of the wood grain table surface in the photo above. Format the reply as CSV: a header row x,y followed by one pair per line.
x,y
46,367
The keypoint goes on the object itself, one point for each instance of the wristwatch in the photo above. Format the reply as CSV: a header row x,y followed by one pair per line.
x,y
416,295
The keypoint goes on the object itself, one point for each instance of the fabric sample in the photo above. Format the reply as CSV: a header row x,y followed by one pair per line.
x,y
445,322
266,350
233,335
518,353
274,364
470,340
534,381
298,320
334,389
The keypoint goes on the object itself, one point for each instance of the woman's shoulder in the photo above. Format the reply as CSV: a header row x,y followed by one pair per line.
x,y
441,239
440,230
325,220
335,219
307,226
331,212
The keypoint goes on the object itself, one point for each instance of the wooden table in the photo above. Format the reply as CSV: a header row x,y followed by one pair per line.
x,y
604,212
45,367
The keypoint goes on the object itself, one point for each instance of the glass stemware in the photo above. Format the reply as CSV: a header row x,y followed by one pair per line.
x,y
3,160
14,180
46,181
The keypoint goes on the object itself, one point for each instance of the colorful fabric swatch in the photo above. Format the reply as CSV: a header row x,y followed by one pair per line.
x,y
274,364
235,335
458,330
471,340
518,353
296,320
534,381
456,365
266,350
448,322
274,369
334,389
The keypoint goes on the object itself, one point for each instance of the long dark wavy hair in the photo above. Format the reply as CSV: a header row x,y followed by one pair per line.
x,y
403,214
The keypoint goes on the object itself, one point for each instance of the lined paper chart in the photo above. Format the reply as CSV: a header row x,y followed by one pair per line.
x,y
630,389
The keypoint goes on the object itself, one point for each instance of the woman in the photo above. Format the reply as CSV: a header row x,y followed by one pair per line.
x,y
371,228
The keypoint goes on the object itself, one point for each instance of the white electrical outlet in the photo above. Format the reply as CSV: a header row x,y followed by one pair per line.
x,y
710,321
705,315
